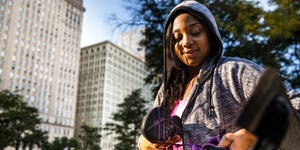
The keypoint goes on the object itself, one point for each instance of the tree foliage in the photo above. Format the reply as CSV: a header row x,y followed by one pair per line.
x,y
19,123
283,32
89,138
268,37
62,143
128,120
35,137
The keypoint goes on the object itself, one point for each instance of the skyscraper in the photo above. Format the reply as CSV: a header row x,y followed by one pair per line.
x,y
108,73
130,40
39,56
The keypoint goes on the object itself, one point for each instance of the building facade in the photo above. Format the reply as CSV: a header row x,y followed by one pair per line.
x,y
39,56
130,41
108,74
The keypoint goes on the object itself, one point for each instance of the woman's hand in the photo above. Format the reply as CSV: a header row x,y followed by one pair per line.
x,y
144,144
239,140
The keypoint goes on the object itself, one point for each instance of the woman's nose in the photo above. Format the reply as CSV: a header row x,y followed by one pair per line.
x,y
186,41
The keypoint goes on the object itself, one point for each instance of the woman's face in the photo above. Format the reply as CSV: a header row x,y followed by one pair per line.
x,y
191,40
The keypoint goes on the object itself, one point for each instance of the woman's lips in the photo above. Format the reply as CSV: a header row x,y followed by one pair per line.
x,y
190,54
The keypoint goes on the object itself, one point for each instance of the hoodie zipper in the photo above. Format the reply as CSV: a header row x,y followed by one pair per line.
x,y
192,98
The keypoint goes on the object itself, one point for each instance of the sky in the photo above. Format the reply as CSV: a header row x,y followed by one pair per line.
x,y
95,26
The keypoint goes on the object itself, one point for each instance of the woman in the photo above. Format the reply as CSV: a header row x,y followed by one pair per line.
x,y
201,86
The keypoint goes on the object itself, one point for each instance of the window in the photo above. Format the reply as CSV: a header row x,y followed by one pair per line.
x,y
5,36
2,53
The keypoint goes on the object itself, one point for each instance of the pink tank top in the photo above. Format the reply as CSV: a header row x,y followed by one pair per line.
x,y
178,110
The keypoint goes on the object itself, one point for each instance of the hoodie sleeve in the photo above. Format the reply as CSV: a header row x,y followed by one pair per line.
x,y
295,100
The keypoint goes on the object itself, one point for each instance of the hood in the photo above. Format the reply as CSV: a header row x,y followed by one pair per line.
x,y
203,13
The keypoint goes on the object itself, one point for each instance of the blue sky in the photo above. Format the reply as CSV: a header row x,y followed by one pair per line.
x,y
95,27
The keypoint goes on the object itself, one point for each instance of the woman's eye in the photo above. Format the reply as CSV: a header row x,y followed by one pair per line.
x,y
196,32
177,36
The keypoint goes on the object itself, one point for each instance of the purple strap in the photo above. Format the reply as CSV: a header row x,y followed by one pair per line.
x,y
211,144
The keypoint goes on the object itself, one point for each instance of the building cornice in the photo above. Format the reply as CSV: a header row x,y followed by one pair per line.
x,y
77,4
113,44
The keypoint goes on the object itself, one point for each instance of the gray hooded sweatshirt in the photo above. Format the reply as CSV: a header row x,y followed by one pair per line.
x,y
224,84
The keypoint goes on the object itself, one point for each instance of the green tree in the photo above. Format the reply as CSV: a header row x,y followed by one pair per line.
x,y
63,142
59,143
267,37
240,27
127,121
89,138
8,101
18,121
283,33
73,143
270,38
30,139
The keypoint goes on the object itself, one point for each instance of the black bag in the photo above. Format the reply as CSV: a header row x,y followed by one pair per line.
x,y
157,126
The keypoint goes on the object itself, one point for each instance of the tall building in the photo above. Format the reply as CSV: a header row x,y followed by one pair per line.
x,y
130,41
39,56
108,73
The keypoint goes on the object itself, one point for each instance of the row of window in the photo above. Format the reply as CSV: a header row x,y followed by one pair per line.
x,y
56,130
73,18
65,88
112,67
117,56
9,2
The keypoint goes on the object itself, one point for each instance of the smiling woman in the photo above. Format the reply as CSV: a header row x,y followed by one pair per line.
x,y
191,40
201,86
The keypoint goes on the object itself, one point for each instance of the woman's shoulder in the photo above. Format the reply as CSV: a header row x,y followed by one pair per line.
x,y
238,74
241,71
238,63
